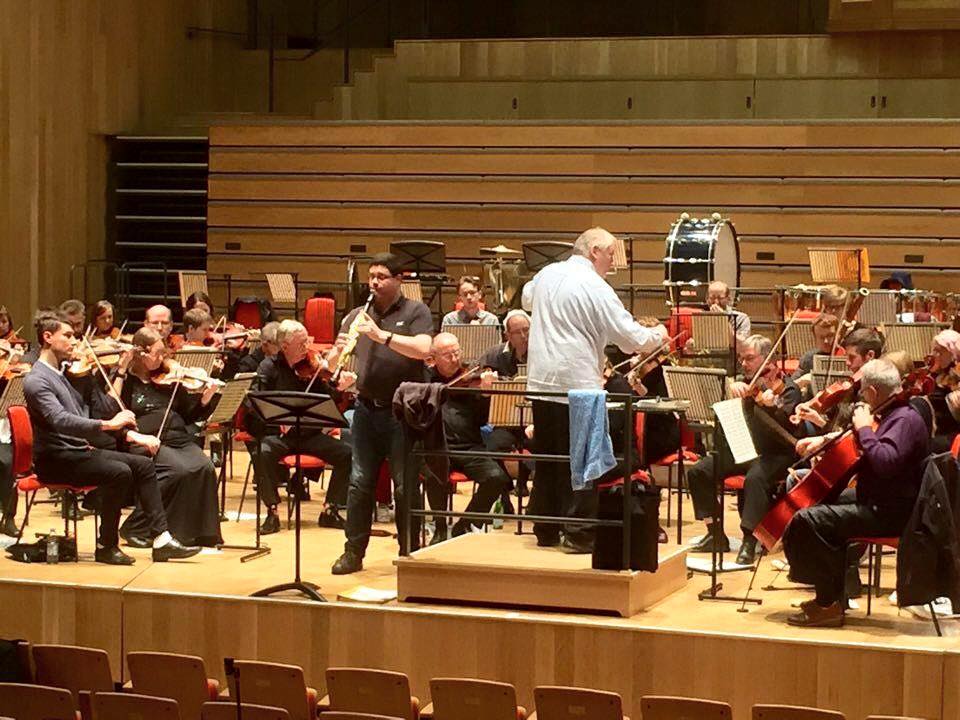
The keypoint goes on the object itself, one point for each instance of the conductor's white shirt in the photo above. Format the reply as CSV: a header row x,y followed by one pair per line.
x,y
574,315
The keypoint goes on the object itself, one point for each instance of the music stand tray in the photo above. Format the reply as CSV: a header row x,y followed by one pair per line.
x,y
421,256
299,410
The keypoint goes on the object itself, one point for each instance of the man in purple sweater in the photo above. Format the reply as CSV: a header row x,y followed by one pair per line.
x,y
888,482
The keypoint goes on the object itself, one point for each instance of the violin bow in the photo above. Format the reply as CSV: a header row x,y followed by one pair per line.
x,y
773,349
660,348
462,376
103,373
166,413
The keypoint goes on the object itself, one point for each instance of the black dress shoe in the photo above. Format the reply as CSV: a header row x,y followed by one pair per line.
x,y
347,563
136,541
112,556
330,518
709,540
173,550
439,535
270,525
748,552
662,536
575,547
550,540
853,586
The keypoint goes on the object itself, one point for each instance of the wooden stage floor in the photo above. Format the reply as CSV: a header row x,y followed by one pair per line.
x,y
889,663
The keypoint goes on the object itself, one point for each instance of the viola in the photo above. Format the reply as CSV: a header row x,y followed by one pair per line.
x,y
839,461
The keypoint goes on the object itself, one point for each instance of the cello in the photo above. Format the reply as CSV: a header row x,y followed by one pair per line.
x,y
838,463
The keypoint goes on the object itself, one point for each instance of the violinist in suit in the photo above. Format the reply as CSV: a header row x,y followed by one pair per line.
x,y
774,396
888,483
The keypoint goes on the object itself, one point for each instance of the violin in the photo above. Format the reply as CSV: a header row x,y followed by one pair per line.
x,y
10,364
832,395
191,379
105,353
312,365
467,376
12,338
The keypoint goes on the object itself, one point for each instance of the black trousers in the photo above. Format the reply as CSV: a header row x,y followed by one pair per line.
x,y
113,474
816,539
8,491
552,492
271,474
487,473
761,477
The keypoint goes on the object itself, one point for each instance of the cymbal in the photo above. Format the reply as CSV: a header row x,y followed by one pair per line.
x,y
501,250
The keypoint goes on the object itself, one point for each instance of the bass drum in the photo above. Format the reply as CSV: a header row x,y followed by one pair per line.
x,y
699,251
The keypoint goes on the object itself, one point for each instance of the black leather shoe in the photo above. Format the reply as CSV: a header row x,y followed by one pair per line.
x,y
173,550
136,541
347,563
330,518
748,552
112,556
854,588
270,525
707,542
575,547
439,535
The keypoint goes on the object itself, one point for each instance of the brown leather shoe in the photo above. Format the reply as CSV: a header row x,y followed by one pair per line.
x,y
814,615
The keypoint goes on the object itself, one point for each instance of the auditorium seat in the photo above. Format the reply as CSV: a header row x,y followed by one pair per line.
x,y
570,703
471,699
793,712
664,707
80,670
345,715
35,702
130,706
168,675
275,685
364,690
248,711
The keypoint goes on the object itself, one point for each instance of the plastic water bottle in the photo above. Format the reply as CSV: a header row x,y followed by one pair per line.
x,y
53,548
498,510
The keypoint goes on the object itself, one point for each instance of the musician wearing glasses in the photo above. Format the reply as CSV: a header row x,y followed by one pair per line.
x,y
719,300
394,337
888,484
768,407
575,313
470,295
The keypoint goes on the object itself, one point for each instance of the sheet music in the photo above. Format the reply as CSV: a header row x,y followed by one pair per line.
x,y
735,429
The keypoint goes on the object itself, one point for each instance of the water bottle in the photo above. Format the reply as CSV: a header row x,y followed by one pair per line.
x,y
53,548
498,510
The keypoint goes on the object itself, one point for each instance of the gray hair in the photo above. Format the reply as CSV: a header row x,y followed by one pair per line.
x,y
516,313
268,333
288,328
595,237
881,374
761,344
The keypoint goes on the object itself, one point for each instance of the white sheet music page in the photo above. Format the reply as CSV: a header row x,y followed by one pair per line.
x,y
735,429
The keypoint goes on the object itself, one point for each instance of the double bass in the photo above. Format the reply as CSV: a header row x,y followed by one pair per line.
x,y
838,463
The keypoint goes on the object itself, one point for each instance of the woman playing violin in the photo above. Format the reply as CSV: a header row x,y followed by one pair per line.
x,y
187,478
7,331
102,322
945,398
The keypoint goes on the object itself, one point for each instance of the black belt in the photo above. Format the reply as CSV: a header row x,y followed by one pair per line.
x,y
374,404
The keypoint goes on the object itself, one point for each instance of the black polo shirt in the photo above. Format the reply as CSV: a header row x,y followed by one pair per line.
x,y
380,370
503,359
463,414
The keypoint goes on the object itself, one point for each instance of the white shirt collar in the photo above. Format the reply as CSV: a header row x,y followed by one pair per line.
x,y
57,370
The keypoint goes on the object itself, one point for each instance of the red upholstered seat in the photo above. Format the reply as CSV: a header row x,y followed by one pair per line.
x,y
307,462
689,456
640,476
247,314
31,483
318,318
955,448
734,482
458,477
243,436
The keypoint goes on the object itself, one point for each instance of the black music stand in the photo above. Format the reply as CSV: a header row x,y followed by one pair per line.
x,y
427,257
537,255
299,410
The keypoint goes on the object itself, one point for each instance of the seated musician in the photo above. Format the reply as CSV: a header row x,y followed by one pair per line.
x,y
199,300
102,321
7,331
62,428
719,300
160,318
186,476
290,369
945,398
824,329
74,312
887,486
463,416
267,348
860,347
470,295
777,398
197,328
501,362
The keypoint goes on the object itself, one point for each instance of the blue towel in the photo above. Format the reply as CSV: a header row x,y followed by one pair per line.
x,y
591,449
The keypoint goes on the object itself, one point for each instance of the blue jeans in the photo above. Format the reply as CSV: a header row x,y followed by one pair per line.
x,y
377,435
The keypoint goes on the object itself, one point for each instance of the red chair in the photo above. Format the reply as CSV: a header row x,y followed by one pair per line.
x,y
680,323
307,462
955,448
687,442
319,316
247,313
21,433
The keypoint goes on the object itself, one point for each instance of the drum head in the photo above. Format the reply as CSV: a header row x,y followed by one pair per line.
x,y
726,256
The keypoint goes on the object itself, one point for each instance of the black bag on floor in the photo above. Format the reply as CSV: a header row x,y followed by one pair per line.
x,y
37,552
644,525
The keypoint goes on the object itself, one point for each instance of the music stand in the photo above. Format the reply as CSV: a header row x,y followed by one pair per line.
x,y
299,410
843,266
421,256
879,307
507,411
537,255
12,395
913,338
475,340
198,357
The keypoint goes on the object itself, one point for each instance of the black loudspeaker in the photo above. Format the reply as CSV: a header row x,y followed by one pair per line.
x,y
644,525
